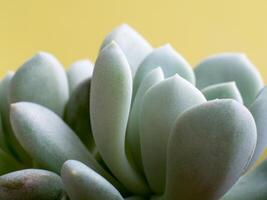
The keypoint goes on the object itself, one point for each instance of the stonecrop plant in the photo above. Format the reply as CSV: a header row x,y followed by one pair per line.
x,y
137,124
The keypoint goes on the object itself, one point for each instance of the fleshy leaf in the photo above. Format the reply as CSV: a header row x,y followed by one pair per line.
x,y
78,72
110,102
169,60
77,113
259,111
208,150
82,183
48,140
3,139
250,186
133,45
30,184
135,198
41,80
162,104
14,146
228,67
226,90
133,135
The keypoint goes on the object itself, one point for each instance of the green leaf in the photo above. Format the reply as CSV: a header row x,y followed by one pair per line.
x,y
30,184
228,67
77,114
133,135
162,104
8,163
14,146
227,90
133,45
48,140
3,136
169,60
78,72
259,111
135,198
83,183
250,186
41,80
208,150
110,102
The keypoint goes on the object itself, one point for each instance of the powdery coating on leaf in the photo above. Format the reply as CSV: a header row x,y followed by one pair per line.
x,y
82,183
48,140
226,67
208,150
30,184
162,104
227,90
110,102
78,72
133,45
41,80
169,60
133,132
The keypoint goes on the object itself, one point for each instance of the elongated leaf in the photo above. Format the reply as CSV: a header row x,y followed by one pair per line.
x,y
259,111
162,104
13,145
208,150
111,91
48,139
133,135
41,80
133,45
82,183
226,90
250,186
228,67
30,184
77,114
169,60
78,72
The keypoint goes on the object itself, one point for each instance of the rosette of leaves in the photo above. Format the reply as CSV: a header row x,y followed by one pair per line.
x,y
138,124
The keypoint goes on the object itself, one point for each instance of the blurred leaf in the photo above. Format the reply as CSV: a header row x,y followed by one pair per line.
x,y
30,184
169,60
133,45
227,67
8,163
82,183
41,80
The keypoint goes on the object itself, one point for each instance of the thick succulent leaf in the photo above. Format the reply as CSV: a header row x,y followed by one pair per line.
x,y
169,60
226,90
162,104
78,72
3,139
208,150
133,136
110,102
8,163
77,114
133,45
83,183
259,111
250,186
14,146
228,67
48,140
30,184
41,80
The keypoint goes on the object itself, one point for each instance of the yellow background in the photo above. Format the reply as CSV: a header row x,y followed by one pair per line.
x,y
74,29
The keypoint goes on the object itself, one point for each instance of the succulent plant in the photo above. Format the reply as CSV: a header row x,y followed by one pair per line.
x,y
138,124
